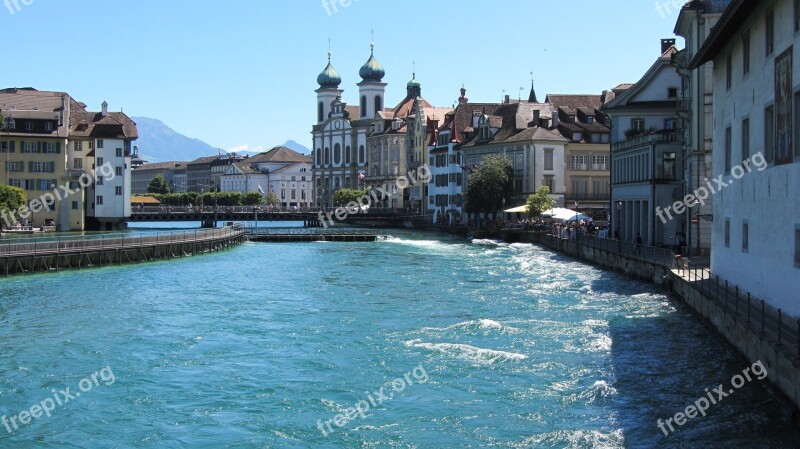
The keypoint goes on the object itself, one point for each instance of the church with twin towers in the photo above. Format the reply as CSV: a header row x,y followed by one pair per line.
x,y
356,147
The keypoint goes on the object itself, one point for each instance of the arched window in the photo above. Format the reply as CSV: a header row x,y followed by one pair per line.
x,y
327,156
378,105
361,155
363,105
347,155
320,109
318,153
337,154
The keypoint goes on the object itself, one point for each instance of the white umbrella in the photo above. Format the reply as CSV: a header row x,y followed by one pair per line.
x,y
578,217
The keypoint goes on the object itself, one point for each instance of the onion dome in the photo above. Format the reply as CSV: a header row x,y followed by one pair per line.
x,y
372,70
413,82
329,78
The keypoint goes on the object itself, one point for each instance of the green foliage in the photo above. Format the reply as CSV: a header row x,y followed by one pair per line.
x,y
252,199
11,199
539,201
158,185
344,196
489,185
272,199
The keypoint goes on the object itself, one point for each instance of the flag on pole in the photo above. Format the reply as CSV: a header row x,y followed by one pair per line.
x,y
260,190
361,176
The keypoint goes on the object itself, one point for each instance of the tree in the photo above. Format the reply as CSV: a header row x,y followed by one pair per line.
x,y
11,200
539,201
158,185
272,199
344,196
490,186
252,199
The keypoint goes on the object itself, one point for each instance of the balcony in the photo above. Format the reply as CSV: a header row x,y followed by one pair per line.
x,y
685,105
682,58
663,136
570,198
74,173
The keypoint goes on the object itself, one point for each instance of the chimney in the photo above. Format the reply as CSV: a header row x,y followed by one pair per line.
x,y
506,99
666,44
105,109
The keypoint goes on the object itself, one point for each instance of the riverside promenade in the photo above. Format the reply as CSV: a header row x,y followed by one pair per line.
x,y
757,330
47,254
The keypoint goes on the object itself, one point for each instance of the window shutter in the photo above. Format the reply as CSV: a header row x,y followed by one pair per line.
x,y
52,167
41,147
58,147
11,148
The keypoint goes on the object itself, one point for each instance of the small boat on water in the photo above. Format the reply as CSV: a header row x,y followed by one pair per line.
x,y
19,229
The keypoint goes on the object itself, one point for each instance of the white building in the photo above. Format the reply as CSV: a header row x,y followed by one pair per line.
x,y
646,155
281,170
340,135
109,136
695,21
756,216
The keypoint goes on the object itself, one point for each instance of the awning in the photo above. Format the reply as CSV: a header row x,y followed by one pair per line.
x,y
518,210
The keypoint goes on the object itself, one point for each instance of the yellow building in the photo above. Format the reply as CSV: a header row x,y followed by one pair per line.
x,y
46,154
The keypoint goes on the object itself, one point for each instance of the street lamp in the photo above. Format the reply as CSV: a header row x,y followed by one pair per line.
x,y
576,211
619,219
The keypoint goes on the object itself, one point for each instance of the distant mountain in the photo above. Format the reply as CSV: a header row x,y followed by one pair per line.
x,y
292,145
159,143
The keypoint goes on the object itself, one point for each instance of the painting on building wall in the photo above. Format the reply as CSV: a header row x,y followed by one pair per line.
x,y
783,107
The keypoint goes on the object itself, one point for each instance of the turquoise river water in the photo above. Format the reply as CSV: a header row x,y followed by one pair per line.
x,y
418,341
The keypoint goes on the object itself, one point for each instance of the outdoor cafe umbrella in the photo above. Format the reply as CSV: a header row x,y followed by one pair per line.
x,y
578,217
517,210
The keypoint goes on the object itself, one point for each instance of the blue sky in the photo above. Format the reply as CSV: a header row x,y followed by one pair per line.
x,y
243,73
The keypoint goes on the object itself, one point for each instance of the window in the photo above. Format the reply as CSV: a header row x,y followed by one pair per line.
x,y
589,119
727,233
746,53
29,147
577,137
548,159
797,246
100,143
796,15
99,161
42,167
118,191
318,156
769,133
363,106
347,155
99,200
796,118
294,194
728,150
671,124
100,180
669,165
283,194
637,124
728,71
119,152
74,205
745,237
74,185
672,92
16,166
91,145
48,126
769,31
745,139
51,148
77,146
4,146
361,154
337,154
118,171
29,126
327,156
548,182
378,104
